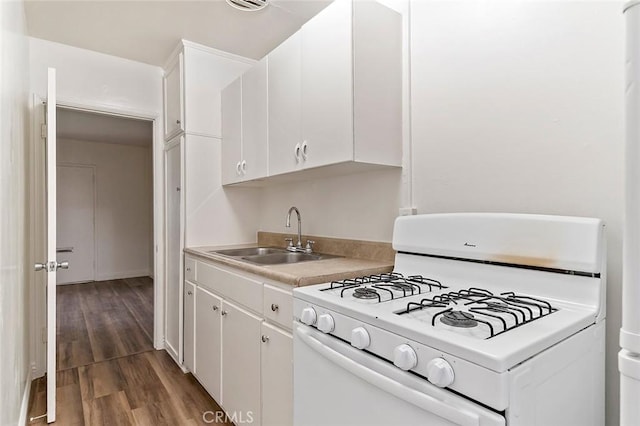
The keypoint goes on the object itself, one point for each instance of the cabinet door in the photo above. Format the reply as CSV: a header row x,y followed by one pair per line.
x,y
254,122
284,106
208,342
173,99
241,362
327,88
232,132
277,376
173,230
188,333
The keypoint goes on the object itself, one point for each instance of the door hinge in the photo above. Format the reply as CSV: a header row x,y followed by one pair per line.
x,y
43,131
44,335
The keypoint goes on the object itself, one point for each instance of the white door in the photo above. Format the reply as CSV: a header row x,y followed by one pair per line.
x,y
75,225
49,265
277,376
208,342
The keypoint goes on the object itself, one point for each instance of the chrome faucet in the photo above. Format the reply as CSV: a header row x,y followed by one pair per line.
x,y
298,245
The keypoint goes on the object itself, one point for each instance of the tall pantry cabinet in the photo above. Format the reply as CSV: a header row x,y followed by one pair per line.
x,y
193,81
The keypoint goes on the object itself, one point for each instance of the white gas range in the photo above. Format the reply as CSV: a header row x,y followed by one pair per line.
x,y
487,319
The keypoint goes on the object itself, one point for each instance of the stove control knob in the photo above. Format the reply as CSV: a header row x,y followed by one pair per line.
x,y
404,357
360,338
440,372
326,324
308,316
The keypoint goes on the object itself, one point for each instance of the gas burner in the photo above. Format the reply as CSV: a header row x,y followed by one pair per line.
x,y
458,319
402,287
365,293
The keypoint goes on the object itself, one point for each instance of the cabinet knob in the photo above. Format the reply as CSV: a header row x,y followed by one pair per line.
x,y
189,293
238,168
304,150
265,339
215,308
243,166
177,121
274,307
188,269
223,313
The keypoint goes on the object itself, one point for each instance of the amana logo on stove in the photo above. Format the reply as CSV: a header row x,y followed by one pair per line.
x,y
469,245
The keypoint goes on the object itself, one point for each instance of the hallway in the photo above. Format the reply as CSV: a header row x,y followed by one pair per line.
x,y
108,371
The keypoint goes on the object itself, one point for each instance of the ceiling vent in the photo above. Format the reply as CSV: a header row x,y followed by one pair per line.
x,y
248,5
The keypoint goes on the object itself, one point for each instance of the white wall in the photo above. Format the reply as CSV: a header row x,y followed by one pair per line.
x,y
14,319
516,107
123,205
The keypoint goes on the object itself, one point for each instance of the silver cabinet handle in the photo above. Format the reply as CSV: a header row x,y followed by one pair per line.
x,y
215,308
243,166
223,313
177,121
265,339
189,293
239,168
296,152
274,307
304,150
178,188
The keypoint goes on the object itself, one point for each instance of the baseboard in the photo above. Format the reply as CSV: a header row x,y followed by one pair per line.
x,y
122,275
24,408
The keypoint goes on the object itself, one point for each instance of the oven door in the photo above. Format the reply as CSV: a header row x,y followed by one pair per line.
x,y
337,384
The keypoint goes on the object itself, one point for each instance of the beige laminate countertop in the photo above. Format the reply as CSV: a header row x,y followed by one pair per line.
x,y
297,274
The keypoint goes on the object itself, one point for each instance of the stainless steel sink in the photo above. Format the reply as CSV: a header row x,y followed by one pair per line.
x,y
271,255
251,251
287,257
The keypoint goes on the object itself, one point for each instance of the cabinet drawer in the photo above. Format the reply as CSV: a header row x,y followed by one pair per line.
x,y
189,269
278,306
243,290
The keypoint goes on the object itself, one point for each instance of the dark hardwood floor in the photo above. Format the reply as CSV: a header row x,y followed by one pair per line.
x,y
108,372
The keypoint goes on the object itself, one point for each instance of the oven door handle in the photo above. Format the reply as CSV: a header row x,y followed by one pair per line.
x,y
405,393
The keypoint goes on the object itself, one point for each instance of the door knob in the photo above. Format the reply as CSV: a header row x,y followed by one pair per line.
x,y
62,265
40,267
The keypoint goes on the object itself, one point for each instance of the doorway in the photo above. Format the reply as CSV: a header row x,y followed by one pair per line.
x,y
105,196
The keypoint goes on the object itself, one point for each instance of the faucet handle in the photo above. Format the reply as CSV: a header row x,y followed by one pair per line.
x,y
309,247
289,242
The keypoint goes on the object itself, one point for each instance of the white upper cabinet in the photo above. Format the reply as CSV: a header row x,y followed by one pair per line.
x,y
327,87
335,90
285,118
244,126
193,82
173,100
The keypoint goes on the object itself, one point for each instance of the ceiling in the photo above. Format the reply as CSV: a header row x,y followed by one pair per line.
x,y
94,127
148,30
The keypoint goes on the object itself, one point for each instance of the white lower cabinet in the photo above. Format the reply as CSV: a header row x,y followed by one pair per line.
x,y
208,341
188,324
277,378
240,363
242,345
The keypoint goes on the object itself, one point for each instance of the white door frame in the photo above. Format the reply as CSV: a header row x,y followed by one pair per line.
x,y
95,210
37,222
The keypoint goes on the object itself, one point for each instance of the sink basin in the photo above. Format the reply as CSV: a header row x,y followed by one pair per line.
x,y
285,257
270,255
251,251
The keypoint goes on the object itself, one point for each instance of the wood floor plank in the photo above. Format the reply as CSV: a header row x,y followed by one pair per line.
x,y
100,379
108,410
